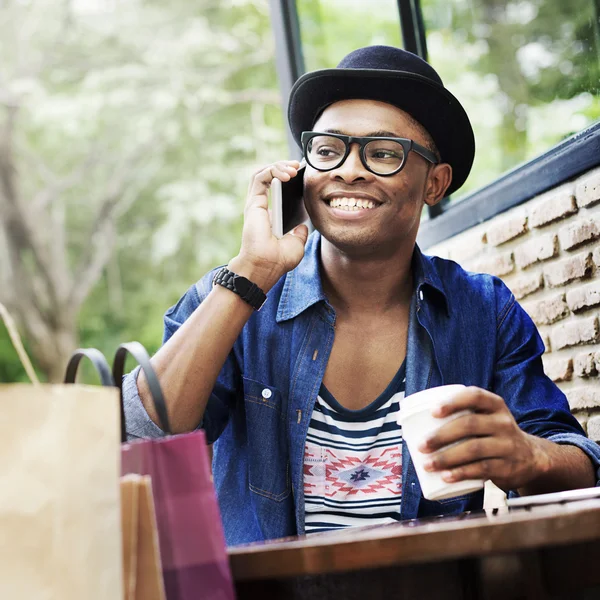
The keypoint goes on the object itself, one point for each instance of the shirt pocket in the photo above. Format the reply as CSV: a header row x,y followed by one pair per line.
x,y
268,459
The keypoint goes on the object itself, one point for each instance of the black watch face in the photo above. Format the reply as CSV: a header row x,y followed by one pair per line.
x,y
242,285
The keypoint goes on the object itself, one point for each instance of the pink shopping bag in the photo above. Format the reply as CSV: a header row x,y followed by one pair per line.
x,y
192,544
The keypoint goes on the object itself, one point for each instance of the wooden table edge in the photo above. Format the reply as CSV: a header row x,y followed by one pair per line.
x,y
438,542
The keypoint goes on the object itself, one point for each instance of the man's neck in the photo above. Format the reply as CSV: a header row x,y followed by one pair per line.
x,y
370,283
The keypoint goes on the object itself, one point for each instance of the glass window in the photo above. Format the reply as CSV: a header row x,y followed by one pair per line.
x,y
527,71
330,29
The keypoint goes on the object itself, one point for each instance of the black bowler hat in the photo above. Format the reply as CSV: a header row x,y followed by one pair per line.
x,y
396,77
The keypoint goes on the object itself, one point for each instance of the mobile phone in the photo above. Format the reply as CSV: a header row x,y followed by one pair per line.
x,y
287,204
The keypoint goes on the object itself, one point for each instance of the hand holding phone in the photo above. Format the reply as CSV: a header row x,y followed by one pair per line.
x,y
264,258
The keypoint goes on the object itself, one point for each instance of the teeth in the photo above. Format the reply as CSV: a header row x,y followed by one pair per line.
x,y
351,203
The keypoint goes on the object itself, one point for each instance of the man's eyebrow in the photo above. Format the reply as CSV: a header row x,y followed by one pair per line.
x,y
380,133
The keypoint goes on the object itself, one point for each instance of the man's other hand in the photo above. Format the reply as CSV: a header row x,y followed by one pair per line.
x,y
495,447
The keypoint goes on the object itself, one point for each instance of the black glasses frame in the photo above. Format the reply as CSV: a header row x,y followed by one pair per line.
x,y
407,146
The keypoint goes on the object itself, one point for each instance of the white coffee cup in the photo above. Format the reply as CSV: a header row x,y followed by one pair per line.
x,y
417,424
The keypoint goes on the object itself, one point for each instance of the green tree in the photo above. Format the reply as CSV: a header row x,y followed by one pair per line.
x,y
539,52
127,132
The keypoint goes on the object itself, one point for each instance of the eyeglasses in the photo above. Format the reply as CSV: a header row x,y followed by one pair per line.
x,y
382,156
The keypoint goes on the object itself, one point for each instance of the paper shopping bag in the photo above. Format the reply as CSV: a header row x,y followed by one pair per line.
x,y
149,579
60,529
192,544
142,572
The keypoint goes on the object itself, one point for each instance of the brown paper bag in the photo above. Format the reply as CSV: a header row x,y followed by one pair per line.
x,y
143,570
59,479
149,585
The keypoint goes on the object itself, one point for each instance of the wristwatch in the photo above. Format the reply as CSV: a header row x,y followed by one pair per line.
x,y
249,292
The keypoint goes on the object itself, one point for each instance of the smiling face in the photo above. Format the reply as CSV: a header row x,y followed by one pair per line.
x,y
356,210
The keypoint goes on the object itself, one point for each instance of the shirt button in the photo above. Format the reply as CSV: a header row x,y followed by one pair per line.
x,y
267,393
421,294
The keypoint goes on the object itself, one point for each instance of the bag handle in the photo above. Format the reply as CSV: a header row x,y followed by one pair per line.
x,y
15,338
141,356
97,359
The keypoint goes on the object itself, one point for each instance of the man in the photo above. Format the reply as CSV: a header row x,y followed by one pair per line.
x,y
300,398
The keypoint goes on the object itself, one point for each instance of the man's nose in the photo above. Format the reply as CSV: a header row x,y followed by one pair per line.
x,y
352,168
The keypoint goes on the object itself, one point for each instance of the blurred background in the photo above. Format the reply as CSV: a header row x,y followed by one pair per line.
x,y
129,130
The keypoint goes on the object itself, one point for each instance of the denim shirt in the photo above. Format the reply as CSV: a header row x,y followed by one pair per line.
x,y
464,328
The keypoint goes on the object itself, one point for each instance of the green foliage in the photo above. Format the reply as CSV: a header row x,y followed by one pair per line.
x,y
190,91
331,29
10,367
188,219
527,72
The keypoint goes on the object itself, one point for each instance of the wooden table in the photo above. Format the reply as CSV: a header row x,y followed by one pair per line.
x,y
546,552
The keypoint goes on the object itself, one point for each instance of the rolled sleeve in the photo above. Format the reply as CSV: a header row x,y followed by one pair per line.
x,y
584,444
138,423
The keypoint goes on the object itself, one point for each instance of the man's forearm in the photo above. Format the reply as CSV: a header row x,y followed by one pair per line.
x,y
560,467
189,363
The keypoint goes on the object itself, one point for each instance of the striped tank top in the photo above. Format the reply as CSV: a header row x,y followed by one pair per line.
x,y
353,461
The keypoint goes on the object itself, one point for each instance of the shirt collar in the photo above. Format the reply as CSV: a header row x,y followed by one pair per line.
x,y
303,287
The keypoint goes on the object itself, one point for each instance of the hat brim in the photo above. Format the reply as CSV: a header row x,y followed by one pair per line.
x,y
432,105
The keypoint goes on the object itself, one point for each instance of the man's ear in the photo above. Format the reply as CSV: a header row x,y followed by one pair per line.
x,y
438,181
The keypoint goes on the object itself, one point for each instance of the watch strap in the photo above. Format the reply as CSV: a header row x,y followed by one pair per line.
x,y
243,287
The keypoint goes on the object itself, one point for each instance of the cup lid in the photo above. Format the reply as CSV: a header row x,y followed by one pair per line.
x,y
427,399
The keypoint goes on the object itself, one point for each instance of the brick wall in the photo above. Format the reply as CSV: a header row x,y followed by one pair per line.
x,y
548,253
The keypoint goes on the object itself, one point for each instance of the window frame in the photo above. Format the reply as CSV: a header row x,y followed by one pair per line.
x,y
559,164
